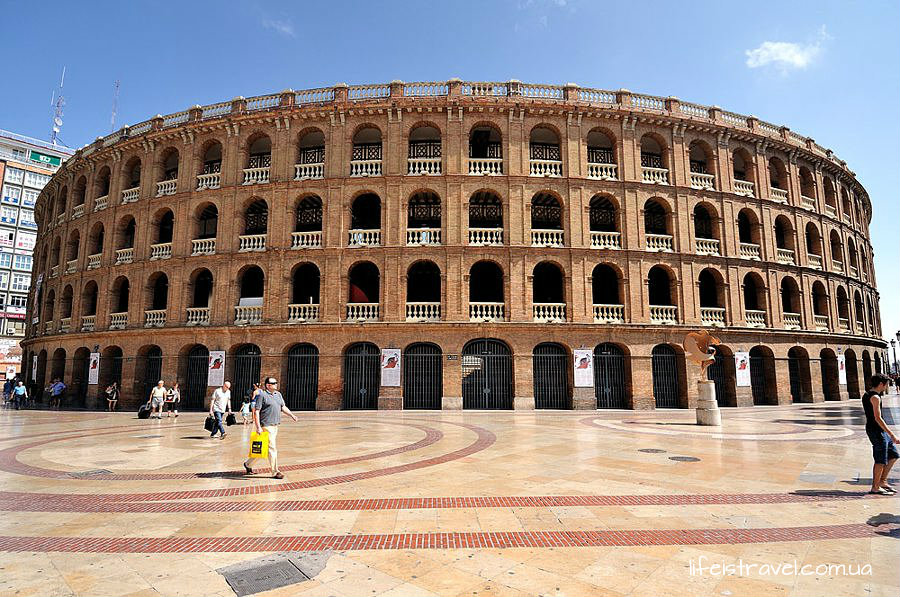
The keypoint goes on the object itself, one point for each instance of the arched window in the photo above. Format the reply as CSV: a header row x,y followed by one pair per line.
x,y
820,299
201,289
807,185
543,145
784,234
830,197
703,223
485,151
72,247
165,227
259,152
309,215
423,219
310,152
701,159
742,171
813,240
660,286
305,285
652,152
656,218
843,307
366,157
710,288
548,295
754,300
251,293
169,166
837,251
158,292
365,283
600,150
790,298
126,233
256,218
365,220
89,297
603,215
207,217
120,295
748,227
424,155
101,183
65,302
485,219
486,292
211,166
79,192
132,174
423,292
777,175
95,241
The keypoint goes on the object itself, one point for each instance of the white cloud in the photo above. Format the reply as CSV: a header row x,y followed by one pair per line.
x,y
279,26
786,55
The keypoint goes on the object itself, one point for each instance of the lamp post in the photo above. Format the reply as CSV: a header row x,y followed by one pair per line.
x,y
894,348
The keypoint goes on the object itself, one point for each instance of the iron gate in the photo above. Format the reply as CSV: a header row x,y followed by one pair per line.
x,y
150,367
716,373
194,395
82,369
487,375
245,371
829,368
422,376
362,364
852,376
664,363
758,366
609,376
301,383
550,365
796,383
111,368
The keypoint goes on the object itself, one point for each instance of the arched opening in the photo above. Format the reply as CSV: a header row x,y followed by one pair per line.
x,y
486,295
837,251
807,185
742,170
601,150
487,381
846,209
311,151
485,219
366,157
168,173
50,305
301,377
748,228
259,153
165,227
843,308
852,258
158,290
72,249
777,177
859,312
422,376
56,252
612,387
606,295
148,370
790,302
119,297
79,191
485,151
830,197
852,374
754,292
424,155
207,224
364,283
784,237
656,218
667,377
111,367
58,368
80,373
201,289
89,299
867,369
365,220
423,292
603,216
126,233
762,376
660,286
547,291
245,370
423,219
703,224
362,362
41,375
251,295
711,288
813,245
546,214
543,143
550,374
309,215
820,305
212,159
653,153
196,366
101,183
701,160
132,174
722,373
95,242
256,218
305,283
65,302
829,367
799,374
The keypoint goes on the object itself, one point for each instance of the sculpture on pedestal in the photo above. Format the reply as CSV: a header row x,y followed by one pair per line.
x,y
699,346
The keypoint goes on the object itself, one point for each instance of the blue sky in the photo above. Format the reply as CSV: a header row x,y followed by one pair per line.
x,y
831,70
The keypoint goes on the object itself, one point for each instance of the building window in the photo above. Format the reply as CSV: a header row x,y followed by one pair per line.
x,y
29,198
6,260
4,281
11,195
22,262
14,175
9,215
15,327
20,283
17,301
33,179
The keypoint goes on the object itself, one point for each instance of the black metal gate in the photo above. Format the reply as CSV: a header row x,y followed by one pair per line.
x,y
664,363
716,374
758,385
193,396
830,384
111,369
852,376
609,376
487,375
301,383
245,371
550,366
362,364
422,376
80,371
794,375
148,372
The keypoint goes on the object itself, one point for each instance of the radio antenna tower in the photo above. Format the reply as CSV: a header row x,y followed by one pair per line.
x,y
57,101
115,107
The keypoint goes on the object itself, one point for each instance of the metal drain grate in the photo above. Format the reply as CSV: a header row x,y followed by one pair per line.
x,y
684,458
273,571
91,473
651,450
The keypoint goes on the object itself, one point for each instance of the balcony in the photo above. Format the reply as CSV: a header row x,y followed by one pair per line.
x,y
703,181
256,175
664,314
837,266
364,238
486,312
486,166
208,181
654,175
603,171
124,256
860,328
423,311
423,236
306,240
301,313
821,323
547,238
712,316
118,321
423,167
77,211
100,203
364,168
251,242
854,272
486,236
807,203
844,325
792,321
160,251
707,246
54,271
65,324
846,218
154,318
744,187
166,187
755,318
659,242
784,256
551,168
60,219
48,327
88,322
749,251
309,171
71,266
549,312
248,314
203,246
131,195
778,195
606,240
362,311
197,316
815,261
830,210
609,313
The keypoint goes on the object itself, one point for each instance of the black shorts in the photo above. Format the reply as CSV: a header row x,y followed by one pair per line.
x,y
883,448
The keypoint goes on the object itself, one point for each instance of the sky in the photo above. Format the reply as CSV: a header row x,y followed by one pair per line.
x,y
826,69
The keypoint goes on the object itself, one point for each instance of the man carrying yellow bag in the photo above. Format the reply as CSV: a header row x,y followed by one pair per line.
x,y
266,418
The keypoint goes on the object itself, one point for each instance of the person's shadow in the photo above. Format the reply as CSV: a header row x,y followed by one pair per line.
x,y
883,519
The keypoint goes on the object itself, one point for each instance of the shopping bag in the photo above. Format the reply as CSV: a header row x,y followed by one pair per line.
x,y
229,420
144,412
259,445
210,423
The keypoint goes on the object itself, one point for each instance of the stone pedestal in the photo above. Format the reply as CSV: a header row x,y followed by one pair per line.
x,y
707,408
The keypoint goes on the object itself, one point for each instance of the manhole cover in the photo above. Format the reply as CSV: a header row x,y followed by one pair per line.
x,y
273,571
92,473
684,459
651,450
146,436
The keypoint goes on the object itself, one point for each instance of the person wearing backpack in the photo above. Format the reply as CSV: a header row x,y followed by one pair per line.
x,y
218,406
884,442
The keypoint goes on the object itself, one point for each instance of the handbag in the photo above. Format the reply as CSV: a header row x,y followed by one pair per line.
x,y
229,420
210,423
144,412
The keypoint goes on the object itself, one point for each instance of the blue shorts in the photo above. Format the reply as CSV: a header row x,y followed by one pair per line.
x,y
883,449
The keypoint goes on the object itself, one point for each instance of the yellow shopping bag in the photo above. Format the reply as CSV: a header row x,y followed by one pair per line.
x,y
259,445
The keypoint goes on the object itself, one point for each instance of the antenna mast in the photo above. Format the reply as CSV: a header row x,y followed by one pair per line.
x,y
57,101
115,106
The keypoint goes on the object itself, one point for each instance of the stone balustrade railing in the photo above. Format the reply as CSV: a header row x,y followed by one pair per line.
x,y
309,171
660,242
707,246
779,195
486,166
854,271
712,316
60,219
364,238
88,323
549,312
606,240
482,311
306,240
837,266
744,187
124,255
846,218
166,187
256,175
154,318
203,246
755,318
485,236
603,171
65,324
197,316
131,195
860,328
49,327
423,167
821,322
654,175
363,311
784,256
54,271
547,238
71,266
248,314
792,321
208,181
423,311
609,313
303,312
423,236
815,261
749,251
363,168
551,168
118,321
664,314
830,210
93,261
100,203
703,181
844,324
160,251
807,203
252,242
78,211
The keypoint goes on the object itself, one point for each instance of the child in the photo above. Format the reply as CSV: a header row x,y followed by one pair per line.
x,y
245,410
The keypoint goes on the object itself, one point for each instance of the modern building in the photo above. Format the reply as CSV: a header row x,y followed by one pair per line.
x,y
26,165
456,245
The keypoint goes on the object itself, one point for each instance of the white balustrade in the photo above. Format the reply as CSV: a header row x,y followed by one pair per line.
x,y
846,217
807,203
815,261
100,203
421,311
712,316
365,168
203,246
655,175
48,327
78,211
843,324
160,251
547,238
423,236
306,240
60,219
860,328
659,242
603,171
71,266
252,242
854,272
166,187
785,256
54,271
551,168
664,314
792,321
837,266
609,313
364,238
154,318
208,181
707,246
830,210
486,311
65,324
821,322
131,195
486,166
197,316
703,181
424,167
248,314
779,195
256,175
309,171
93,261
118,321
549,312
308,312
485,236
755,318
606,240
749,251
362,311
88,322
744,187
124,256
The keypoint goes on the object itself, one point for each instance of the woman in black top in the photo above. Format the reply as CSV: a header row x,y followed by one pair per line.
x,y
884,449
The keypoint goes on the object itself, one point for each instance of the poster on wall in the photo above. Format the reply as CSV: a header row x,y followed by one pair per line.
x,y
842,369
215,372
584,368
390,367
742,369
33,368
94,369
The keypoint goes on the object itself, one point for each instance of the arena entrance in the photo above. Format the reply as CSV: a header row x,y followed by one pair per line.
x,y
666,382
550,366
829,369
148,371
196,366
722,372
762,376
798,372
852,375
300,383
422,376
609,376
80,374
487,375
245,367
362,364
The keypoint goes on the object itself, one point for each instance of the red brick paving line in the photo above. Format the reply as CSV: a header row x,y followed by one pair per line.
x,y
448,540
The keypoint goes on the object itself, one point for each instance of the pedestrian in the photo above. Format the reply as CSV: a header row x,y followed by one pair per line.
x,y
157,398
218,406
20,395
245,411
8,386
884,449
266,417
112,396
57,388
173,397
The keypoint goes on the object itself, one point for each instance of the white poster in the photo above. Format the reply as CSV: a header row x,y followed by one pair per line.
x,y
34,367
742,369
390,367
215,373
94,369
842,369
584,368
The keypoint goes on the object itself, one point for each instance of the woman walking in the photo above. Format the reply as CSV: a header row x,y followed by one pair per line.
x,y
112,396
173,397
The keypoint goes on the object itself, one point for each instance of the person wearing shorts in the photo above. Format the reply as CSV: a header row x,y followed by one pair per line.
x,y
157,399
883,440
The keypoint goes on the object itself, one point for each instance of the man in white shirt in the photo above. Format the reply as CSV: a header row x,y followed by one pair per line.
x,y
219,405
